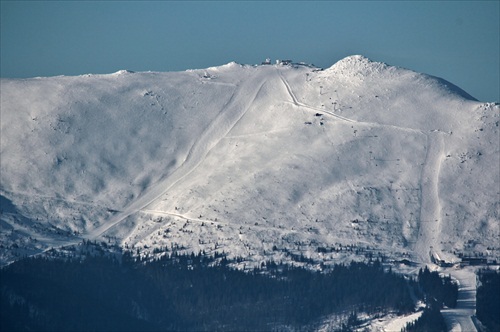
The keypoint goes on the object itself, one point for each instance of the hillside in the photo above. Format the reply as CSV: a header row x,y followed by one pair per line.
x,y
263,162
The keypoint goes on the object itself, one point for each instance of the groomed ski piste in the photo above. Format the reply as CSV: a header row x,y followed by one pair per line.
x,y
261,162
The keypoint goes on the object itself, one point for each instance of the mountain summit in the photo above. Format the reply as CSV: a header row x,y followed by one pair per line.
x,y
265,162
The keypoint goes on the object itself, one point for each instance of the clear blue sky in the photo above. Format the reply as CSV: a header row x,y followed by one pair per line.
x,y
454,40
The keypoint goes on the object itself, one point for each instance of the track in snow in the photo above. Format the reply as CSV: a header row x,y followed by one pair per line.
x,y
296,102
429,225
232,112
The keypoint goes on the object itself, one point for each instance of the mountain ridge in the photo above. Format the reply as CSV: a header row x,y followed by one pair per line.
x,y
249,158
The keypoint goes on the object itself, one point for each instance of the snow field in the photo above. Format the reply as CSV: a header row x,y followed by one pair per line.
x,y
360,155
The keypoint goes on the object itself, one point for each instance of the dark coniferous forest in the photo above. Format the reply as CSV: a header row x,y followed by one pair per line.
x,y
442,291
488,300
188,292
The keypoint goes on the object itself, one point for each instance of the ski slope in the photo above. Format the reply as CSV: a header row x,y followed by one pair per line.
x,y
263,162
430,209
216,130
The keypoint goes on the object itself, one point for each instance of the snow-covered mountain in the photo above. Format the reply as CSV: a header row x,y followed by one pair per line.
x,y
263,162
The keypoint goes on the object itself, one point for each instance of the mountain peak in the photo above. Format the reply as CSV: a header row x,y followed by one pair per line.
x,y
356,58
358,68
357,64
123,72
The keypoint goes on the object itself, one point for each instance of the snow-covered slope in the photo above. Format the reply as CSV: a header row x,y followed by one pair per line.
x,y
264,162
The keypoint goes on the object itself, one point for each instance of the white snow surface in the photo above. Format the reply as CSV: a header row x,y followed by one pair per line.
x,y
247,159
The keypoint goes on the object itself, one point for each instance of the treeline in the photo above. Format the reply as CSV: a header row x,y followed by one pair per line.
x,y
488,299
275,293
188,292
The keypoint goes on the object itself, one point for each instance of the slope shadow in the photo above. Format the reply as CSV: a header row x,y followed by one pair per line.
x,y
453,88
6,205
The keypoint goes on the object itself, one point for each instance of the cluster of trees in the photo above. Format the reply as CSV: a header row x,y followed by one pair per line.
x,y
188,292
438,292
62,295
488,299
430,320
441,290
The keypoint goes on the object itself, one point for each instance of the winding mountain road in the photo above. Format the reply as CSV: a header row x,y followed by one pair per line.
x,y
459,319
